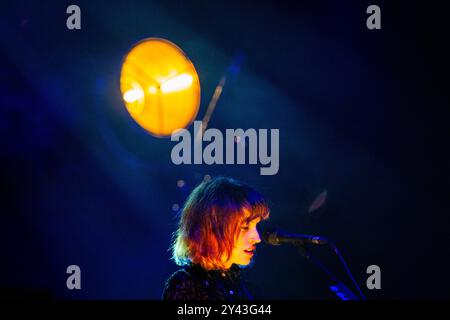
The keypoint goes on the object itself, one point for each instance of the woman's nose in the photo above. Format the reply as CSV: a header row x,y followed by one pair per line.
x,y
255,237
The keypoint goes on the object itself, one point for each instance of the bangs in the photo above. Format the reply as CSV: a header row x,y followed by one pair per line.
x,y
256,207
254,212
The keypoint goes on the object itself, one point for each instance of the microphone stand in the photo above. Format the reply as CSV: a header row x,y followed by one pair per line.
x,y
337,286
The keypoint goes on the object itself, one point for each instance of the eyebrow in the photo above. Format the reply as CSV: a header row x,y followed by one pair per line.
x,y
253,221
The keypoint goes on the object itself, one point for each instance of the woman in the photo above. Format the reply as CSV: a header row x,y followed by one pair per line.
x,y
216,237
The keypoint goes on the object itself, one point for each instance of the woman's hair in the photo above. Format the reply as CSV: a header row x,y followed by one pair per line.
x,y
211,219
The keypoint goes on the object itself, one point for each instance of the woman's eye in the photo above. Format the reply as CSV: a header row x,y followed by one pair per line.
x,y
244,228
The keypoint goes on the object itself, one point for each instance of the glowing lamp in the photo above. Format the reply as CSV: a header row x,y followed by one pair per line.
x,y
160,86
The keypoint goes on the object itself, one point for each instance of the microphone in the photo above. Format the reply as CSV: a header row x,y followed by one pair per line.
x,y
277,237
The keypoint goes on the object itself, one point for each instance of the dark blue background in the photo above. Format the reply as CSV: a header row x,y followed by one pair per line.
x,y
362,114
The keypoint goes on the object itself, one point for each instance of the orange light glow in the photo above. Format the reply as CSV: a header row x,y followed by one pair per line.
x,y
160,87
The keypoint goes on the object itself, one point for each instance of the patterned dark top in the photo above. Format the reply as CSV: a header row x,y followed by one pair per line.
x,y
195,283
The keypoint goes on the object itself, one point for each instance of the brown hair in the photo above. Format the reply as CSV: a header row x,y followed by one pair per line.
x,y
211,219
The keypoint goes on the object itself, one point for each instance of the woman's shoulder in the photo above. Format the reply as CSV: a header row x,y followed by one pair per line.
x,y
184,284
189,273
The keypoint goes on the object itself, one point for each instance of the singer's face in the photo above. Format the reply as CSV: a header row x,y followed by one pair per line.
x,y
245,246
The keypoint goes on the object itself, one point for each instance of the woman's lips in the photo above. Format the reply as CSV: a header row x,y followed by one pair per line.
x,y
250,252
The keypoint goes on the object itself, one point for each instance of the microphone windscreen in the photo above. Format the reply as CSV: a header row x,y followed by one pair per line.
x,y
270,237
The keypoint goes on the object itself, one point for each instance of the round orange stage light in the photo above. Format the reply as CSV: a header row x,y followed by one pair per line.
x,y
160,86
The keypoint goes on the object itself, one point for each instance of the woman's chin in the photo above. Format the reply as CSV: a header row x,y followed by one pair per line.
x,y
245,262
